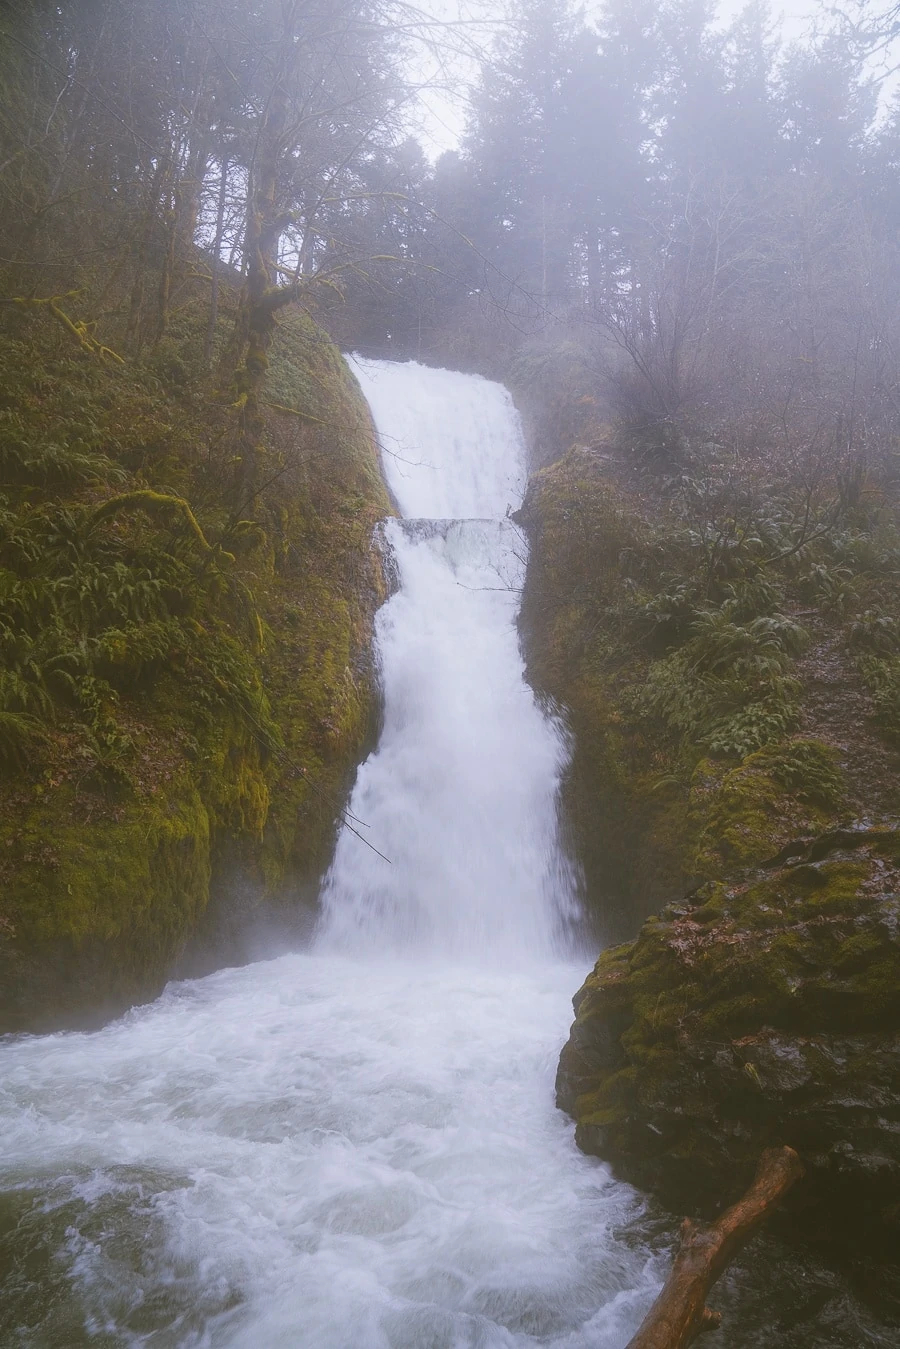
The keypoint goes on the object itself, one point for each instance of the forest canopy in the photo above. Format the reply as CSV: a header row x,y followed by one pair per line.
x,y
709,212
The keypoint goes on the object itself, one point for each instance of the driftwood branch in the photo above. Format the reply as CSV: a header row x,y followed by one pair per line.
x,y
679,1315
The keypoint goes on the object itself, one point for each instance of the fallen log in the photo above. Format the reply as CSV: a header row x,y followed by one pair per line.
x,y
680,1313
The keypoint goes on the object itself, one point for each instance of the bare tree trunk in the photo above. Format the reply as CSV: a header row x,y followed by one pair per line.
x,y
135,327
679,1315
190,184
259,301
164,289
216,263
592,263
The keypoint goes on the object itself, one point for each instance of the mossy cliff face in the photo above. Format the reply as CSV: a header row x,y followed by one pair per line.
x,y
318,597
198,769
761,1013
721,703
578,525
730,678
649,816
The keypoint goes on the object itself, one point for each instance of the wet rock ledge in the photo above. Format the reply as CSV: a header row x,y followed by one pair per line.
x,y
749,1014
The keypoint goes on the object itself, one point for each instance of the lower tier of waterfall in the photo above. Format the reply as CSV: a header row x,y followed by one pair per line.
x,y
313,1151
460,796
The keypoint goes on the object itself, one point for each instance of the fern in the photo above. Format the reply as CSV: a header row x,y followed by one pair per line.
x,y
752,597
46,464
666,617
758,723
833,588
808,769
758,650
85,615
875,633
19,736
727,691
882,677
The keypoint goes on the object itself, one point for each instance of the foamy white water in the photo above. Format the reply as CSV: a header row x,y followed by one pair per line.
x,y
461,792
451,443
357,1147
313,1151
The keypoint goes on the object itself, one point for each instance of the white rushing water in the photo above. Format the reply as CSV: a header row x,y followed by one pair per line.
x,y
356,1147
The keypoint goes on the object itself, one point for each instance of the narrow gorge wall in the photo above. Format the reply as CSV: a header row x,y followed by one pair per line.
x,y
209,781
733,699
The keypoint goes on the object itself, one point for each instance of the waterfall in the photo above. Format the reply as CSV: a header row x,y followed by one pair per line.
x,y
461,793
356,1146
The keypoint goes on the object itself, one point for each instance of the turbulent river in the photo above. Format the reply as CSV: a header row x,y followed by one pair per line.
x,y
356,1146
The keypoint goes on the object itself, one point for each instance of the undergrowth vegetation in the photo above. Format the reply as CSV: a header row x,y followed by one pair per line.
x,y
184,671
103,591
697,619
721,594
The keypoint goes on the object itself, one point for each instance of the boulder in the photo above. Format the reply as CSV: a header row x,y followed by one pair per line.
x,y
749,1015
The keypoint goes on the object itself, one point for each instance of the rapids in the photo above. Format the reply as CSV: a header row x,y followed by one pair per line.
x,y
356,1146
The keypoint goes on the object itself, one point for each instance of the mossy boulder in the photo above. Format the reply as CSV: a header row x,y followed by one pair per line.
x,y
757,1013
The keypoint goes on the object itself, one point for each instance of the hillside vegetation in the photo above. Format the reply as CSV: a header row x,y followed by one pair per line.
x,y
722,631
186,681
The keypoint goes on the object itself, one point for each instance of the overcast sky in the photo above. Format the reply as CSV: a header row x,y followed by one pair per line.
x,y
444,111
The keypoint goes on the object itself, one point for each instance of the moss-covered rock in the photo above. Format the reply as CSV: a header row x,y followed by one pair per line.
x,y
759,1013
207,785
742,816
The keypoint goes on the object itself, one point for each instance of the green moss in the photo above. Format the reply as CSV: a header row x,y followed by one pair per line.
x,y
235,766
694,1032
75,881
234,782
97,907
824,888
321,601
743,816
610,1103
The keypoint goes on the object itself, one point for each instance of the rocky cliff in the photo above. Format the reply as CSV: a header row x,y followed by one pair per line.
x,y
188,681
759,1012
730,675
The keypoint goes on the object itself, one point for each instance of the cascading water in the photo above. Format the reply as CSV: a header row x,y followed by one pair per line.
x,y
461,793
356,1147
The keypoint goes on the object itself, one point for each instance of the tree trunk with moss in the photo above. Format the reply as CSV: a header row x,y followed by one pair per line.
x,y
261,296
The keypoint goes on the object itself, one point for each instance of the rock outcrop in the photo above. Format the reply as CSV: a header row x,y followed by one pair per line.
x,y
733,688
752,1014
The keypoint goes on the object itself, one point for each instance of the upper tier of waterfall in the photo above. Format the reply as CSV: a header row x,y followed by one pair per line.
x,y
451,444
